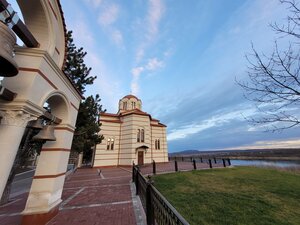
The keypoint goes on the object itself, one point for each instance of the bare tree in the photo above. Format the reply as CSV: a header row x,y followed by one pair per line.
x,y
274,81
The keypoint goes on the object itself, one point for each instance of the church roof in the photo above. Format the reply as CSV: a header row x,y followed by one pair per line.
x,y
135,111
129,112
130,96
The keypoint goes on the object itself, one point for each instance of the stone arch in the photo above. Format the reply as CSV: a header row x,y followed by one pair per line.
x,y
59,105
40,79
44,20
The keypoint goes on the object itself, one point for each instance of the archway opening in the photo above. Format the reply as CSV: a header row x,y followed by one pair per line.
x,y
57,106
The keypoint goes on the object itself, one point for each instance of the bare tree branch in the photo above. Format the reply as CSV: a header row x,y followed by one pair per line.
x,y
273,81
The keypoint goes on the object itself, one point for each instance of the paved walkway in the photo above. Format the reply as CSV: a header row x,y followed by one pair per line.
x,y
93,199
88,199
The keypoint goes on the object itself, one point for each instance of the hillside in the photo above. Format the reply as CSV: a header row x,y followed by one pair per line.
x,y
253,153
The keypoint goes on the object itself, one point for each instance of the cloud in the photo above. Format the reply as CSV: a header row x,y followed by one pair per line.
x,y
105,82
107,19
109,15
215,121
152,65
94,3
82,33
195,113
155,13
117,37
270,144
136,72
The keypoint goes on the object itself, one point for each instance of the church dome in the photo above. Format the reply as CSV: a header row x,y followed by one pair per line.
x,y
130,96
130,102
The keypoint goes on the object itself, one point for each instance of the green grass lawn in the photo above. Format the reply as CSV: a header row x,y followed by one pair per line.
x,y
240,195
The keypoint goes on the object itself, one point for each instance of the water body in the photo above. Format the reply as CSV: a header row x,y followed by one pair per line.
x,y
269,163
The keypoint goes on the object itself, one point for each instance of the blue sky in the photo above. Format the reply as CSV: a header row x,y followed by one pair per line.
x,y
180,58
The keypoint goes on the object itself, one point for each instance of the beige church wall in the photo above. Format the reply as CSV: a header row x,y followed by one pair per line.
x,y
141,122
159,155
128,134
105,162
127,137
138,104
130,126
104,157
109,116
125,125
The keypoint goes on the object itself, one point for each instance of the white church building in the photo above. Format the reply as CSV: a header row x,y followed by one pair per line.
x,y
130,136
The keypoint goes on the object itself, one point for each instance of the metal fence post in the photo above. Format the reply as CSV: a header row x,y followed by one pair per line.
x,y
229,163
201,160
133,172
215,160
176,166
194,164
149,208
154,167
191,159
137,182
224,163
209,161
182,159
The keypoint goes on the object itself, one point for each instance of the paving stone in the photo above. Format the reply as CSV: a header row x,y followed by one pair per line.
x,y
96,200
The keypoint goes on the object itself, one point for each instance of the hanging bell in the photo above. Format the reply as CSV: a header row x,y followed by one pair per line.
x,y
8,66
36,124
46,134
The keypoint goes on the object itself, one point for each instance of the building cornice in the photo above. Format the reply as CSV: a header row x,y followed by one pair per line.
x,y
110,121
158,125
109,114
45,55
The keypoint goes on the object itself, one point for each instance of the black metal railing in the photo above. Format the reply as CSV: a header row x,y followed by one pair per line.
x,y
158,210
195,164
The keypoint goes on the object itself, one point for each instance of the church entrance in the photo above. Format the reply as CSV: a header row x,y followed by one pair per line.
x,y
140,158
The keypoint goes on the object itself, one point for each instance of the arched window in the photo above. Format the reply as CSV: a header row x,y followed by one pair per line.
x,y
133,105
157,144
138,135
108,144
125,105
112,144
142,135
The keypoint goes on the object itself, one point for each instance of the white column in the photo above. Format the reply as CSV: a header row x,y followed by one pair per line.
x,y
80,157
12,128
47,185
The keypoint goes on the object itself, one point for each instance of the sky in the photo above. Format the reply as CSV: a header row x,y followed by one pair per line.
x,y
181,58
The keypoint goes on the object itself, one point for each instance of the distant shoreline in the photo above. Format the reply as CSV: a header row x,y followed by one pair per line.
x,y
289,158
263,154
